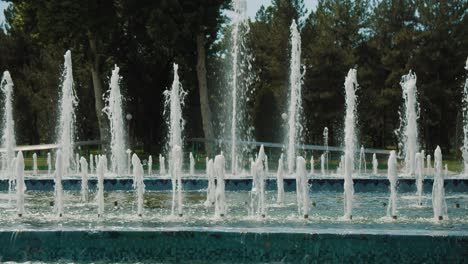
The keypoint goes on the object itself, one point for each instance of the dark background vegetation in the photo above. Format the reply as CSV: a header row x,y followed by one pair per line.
x,y
383,39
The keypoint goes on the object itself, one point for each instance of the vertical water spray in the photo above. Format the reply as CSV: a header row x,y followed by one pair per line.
x,y
294,133
150,165
312,169
211,190
362,161
162,165
84,179
429,165
375,164
464,148
279,181
77,164
220,201
438,189
302,188
257,198
325,143
239,82
351,86
192,164
408,131
114,112
34,164
100,171
8,129
392,178
20,185
68,103
419,176
322,164
91,163
176,177
138,183
58,188
49,164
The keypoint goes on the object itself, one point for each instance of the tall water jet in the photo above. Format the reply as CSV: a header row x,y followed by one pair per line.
x,y
428,165
312,169
150,164
408,131
66,126
77,163
302,188
375,164
192,164
91,163
240,79
176,177
419,176
58,188
100,171
325,143
114,112
174,100
393,178
362,161
464,148
220,201
351,86
34,164
294,133
162,165
129,161
49,164
257,198
322,164
438,189
84,179
138,183
20,185
211,190
279,181
8,128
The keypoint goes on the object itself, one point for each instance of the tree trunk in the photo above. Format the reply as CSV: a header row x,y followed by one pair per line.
x,y
97,85
203,89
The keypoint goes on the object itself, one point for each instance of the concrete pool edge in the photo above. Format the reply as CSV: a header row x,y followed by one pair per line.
x,y
232,244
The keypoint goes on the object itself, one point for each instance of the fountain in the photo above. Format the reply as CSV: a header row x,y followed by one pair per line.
x,y
100,171
174,100
138,183
393,179
325,143
91,163
84,179
49,164
257,195
176,177
150,164
192,164
408,131
77,163
438,191
302,188
162,165
375,164
58,192
66,127
279,181
113,110
211,190
429,165
339,170
322,164
129,161
464,148
312,165
8,126
20,185
96,161
34,156
362,161
219,171
294,132
419,176
351,86
240,80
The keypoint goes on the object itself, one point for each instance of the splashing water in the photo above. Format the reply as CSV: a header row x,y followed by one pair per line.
x,y
322,164
351,86
58,190
257,198
294,133
375,164
100,171
325,143
34,164
393,179
150,164
408,131
464,148
279,181
302,188
66,126
429,165
84,179
362,161
162,165
138,183
176,177
220,201
20,185
114,112
8,132
192,164
211,190
419,176
240,79
438,190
